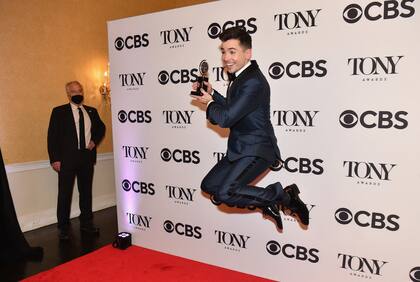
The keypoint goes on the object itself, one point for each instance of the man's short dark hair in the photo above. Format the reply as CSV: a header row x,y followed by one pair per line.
x,y
237,33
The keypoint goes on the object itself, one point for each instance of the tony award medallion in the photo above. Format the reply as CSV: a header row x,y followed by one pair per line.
x,y
204,71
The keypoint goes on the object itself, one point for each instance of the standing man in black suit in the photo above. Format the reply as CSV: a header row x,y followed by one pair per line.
x,y
74,132
252,145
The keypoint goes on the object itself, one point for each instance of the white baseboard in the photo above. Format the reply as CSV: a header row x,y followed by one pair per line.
x,y
47,217
33,186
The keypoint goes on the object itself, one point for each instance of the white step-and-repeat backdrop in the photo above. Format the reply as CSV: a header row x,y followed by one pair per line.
x,y
345,86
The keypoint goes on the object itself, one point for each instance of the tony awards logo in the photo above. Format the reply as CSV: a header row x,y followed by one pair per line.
x,y
204,70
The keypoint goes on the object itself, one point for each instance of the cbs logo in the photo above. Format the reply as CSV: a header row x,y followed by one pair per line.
x,y
178,76
415,274
371,119
366,219
132,41
297,69
184,156
215,29
304,165
291,251
182,229
377,10
138,187
135,116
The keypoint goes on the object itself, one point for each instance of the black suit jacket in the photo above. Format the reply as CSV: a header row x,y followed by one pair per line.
x,y
246,111
62,134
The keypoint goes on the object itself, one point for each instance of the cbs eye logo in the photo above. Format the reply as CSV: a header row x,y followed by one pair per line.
x,y
180,156
215,29
293,251
135,116
138,187
371,119
298,69
348,119
343,216
276,70
352,13
132,41
374,11
362,218
126,185
415,274
273,248
169,226
122,116
183,229
119,43
163,77
166,155
178,76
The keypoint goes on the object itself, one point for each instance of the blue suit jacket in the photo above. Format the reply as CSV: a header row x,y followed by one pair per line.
x,y
246,111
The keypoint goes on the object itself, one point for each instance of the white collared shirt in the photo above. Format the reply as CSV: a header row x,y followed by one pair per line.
x,y
237,73
242,69
88,123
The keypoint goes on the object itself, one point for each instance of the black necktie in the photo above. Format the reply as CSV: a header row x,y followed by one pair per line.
x,y
232,77
82,141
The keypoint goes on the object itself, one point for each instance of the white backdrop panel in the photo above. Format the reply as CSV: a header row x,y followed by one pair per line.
x,y
344,102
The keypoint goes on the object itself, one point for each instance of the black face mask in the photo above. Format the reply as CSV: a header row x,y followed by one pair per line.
x,y
77,99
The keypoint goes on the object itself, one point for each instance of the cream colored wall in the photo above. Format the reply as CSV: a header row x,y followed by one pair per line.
x,y
34,191
44,44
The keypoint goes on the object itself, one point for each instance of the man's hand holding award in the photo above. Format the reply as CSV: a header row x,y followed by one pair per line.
x,y
202,88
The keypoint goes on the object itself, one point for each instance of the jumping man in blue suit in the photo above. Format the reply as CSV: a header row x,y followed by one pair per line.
x,y
252,145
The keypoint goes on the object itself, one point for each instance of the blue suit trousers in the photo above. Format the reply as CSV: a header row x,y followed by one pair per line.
x,y
228,181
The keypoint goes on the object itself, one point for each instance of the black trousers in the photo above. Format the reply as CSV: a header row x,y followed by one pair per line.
x,y
82,168
229,182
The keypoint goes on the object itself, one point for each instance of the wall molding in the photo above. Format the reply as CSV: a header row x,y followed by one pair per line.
x,y
20,167
47,217
38,175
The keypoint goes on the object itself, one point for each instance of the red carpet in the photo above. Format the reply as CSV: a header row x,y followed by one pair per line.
x,y
137,264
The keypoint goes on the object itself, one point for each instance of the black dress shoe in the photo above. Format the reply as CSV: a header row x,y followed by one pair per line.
x,y
273,212
64,235
296,205
91,229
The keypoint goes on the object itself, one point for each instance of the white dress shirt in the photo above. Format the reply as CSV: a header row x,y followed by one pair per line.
x,y
242,69
88,124
237,73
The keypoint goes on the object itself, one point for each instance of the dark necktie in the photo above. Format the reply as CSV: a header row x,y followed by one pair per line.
x,y
82,141
232,77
